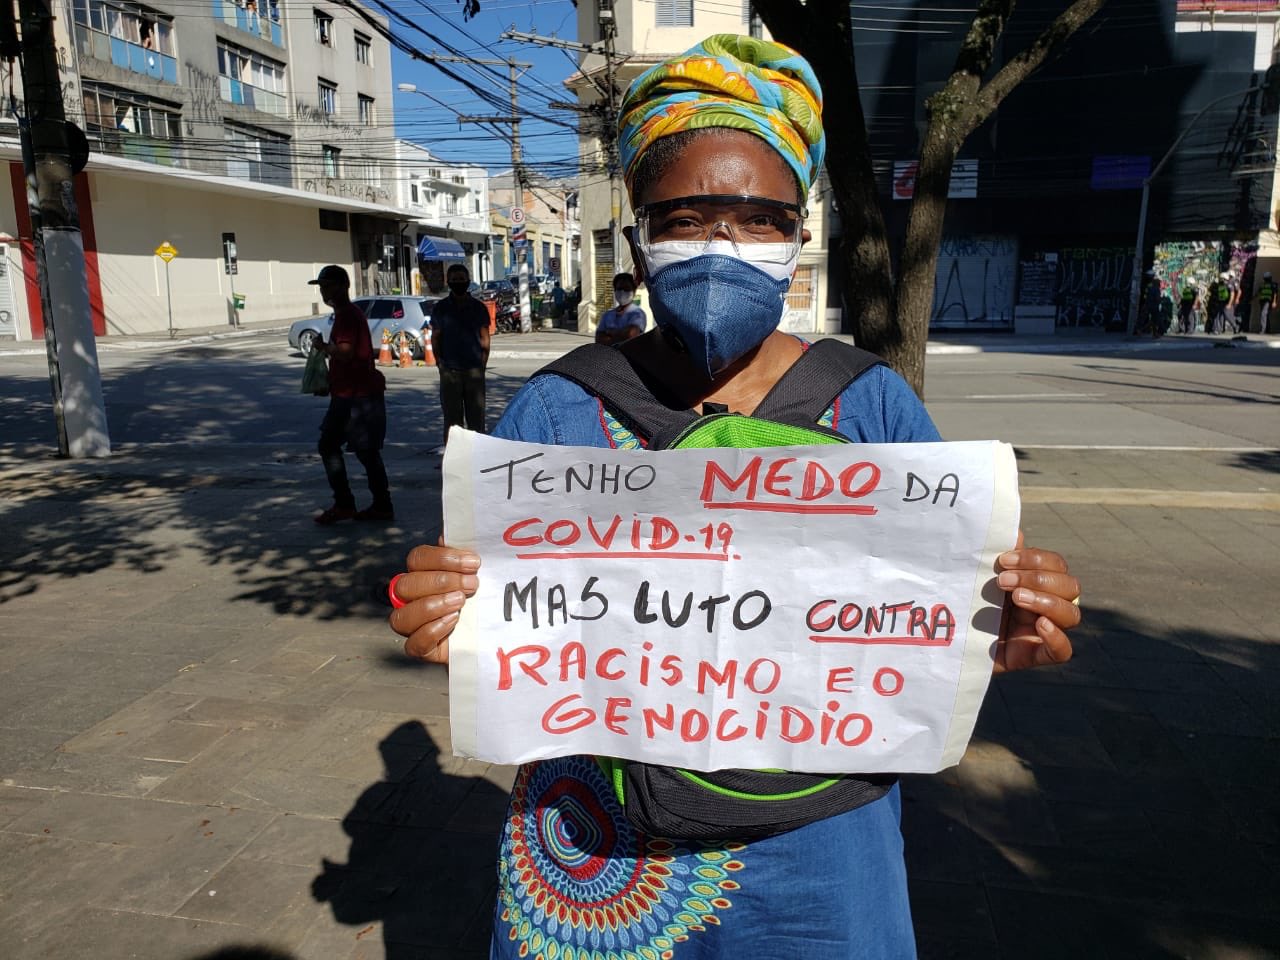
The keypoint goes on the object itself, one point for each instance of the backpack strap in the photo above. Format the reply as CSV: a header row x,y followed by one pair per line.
x,y
605,372
802,394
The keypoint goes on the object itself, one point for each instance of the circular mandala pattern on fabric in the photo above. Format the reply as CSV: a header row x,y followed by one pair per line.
x,y
579,883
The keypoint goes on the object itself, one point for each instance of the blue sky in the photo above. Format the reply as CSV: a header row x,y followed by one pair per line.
x,y
546,146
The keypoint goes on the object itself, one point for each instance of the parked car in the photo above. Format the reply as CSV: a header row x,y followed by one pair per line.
x,y
500,290
393,314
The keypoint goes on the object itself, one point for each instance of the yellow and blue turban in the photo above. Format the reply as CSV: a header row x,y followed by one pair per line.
x,y
742,83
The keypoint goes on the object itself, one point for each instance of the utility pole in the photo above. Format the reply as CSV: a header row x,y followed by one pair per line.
x,y
74,378
517,172
609,95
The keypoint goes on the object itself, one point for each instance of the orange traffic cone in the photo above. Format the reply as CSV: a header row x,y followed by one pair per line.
x,y
384,355
406,355
428,355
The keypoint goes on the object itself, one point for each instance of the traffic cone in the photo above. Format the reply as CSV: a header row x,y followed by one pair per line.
x,y
384,355
406,355
428,355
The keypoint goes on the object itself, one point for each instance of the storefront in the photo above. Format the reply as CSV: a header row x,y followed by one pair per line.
x,y
435,255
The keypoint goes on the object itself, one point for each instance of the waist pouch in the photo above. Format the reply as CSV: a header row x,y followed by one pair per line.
x,y
736,804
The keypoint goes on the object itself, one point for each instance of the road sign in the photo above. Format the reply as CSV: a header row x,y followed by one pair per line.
x,y
517,233
166,251
517,215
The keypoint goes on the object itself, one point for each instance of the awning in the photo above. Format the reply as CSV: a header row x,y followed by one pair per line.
x,y
440,248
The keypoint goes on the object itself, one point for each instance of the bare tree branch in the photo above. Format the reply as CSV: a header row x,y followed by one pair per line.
x,y
1019,67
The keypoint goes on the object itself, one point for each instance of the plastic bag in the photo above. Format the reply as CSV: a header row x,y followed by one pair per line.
x,y
315,376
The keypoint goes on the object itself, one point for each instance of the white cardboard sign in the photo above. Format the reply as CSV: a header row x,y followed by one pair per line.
x,y
827,609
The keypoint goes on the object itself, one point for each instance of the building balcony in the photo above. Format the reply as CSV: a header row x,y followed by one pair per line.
x,y
244,16
125,54
133,146
247,95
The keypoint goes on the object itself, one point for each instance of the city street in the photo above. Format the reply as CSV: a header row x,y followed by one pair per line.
x,y
209,736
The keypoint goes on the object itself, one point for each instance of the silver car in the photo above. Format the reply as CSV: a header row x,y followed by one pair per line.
x,y
392,313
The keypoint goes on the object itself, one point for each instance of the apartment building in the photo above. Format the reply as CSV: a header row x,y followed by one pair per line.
x,y
251,137
450,203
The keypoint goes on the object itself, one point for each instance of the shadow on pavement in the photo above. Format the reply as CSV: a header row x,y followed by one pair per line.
x,y
1122,806
421,861
245,953
217,455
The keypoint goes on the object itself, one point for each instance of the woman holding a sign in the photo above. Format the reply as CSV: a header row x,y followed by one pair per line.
x,y
720,148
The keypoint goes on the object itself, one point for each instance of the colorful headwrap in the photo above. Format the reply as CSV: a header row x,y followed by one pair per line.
x,y
764,88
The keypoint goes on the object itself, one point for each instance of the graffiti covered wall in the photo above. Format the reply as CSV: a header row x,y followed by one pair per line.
x,y
973,285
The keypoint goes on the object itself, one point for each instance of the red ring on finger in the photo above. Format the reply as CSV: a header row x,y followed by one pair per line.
x,y
396,602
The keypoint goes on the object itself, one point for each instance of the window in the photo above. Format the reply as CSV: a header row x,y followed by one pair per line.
x,y
675,13
258,155
327,97
109,110
324,28
251,79
98,22
413,193
367,116
755,27
332,158
364,48
333,220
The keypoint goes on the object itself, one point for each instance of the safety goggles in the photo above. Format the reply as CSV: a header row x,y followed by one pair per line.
x,y
741,219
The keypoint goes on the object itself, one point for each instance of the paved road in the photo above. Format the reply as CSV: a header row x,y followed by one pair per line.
x,y
208,737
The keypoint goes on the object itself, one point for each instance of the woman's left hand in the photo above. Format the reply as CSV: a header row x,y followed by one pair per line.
x,y
1041,606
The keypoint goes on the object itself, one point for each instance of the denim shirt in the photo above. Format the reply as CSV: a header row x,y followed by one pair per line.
x,y
878,407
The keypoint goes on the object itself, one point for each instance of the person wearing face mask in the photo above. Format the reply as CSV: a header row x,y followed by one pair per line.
x,y
720,148
460,341
626,320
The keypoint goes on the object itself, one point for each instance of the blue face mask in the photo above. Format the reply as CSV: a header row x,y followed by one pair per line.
x,y
720,306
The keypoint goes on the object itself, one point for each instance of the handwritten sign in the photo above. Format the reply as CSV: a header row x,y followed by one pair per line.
x,y
821,609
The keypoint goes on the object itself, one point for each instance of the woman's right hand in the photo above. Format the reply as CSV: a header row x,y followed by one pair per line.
x,y
437,583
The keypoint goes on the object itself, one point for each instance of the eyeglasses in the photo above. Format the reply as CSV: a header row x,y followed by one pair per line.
x,y
744,219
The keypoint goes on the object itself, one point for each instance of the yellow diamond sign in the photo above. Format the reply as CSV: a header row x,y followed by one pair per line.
x,y
166,251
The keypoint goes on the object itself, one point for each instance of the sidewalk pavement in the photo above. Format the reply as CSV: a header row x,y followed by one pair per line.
x,y
209,737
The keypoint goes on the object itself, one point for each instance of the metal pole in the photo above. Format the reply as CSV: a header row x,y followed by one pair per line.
x,y
168,296
235,309
1135,282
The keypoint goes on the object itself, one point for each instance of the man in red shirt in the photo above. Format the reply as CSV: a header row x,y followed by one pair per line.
x,y
357,414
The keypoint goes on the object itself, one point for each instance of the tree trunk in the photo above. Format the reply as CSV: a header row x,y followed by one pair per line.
x,y
919,263
822,30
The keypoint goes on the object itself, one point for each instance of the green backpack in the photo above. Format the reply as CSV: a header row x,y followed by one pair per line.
x,y
724,804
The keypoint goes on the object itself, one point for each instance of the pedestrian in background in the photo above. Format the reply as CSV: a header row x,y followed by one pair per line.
x,y
357,414
1220,297
1265,298
460,341
1187,304
625,320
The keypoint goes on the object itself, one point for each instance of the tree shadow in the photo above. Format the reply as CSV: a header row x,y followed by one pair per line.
x,y
422,856
1123,805
216,452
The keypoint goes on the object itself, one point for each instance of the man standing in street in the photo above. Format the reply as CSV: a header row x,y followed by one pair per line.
x,y
1219,297
1186,307
357,415
625,320
1266,301
460,341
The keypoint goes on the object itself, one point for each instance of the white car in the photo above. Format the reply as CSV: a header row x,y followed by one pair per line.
x,y
392,313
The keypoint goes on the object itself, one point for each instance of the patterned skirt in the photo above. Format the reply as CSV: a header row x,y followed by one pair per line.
x,y
577,882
